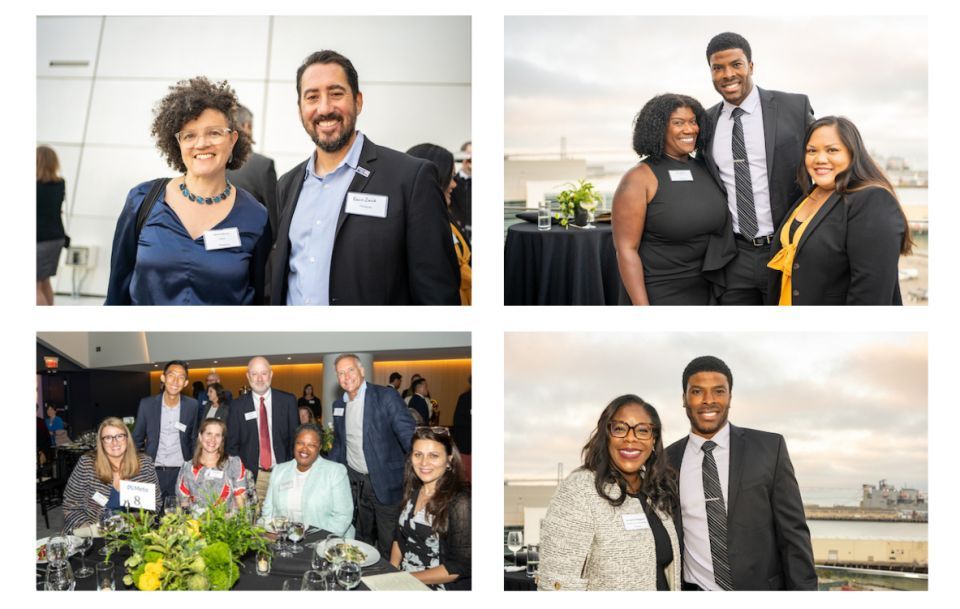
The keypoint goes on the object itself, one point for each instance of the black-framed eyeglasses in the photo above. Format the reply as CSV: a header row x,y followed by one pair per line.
x,y
120,437
437,430
641,431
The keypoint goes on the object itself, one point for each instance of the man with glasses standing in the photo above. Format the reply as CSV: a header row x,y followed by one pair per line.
x,y
372,432
166,426
743,522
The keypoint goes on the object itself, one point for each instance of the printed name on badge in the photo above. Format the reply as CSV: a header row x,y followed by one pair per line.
x,y
100,498
635,522
363,204
681,175
338,412
221,239
180,426
249,416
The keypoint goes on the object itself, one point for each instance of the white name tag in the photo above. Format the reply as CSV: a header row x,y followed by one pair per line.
x,y
136,495
180,426
221,239
249,416
338,412
635,522
362,204
362,171
214,474
286,486
681,175
100,498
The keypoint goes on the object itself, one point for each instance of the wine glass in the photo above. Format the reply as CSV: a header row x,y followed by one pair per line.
x,y
57,549
84,571
314,580
514,543
348,574
170,504
333,551
59,576
280,525
111,521
590,206
295,534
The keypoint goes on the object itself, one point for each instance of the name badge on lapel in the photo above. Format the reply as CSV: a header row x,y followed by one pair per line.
x,y
363,204
249,416
213,474
681,175
338,412
180,426
221,239
635,522
100,498
363,171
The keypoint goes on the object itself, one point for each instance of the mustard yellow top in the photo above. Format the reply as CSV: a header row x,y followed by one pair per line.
x,y
783,260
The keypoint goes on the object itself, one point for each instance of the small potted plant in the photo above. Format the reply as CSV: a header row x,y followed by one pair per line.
x,y
576,201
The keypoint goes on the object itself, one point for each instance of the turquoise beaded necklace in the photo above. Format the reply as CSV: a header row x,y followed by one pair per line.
x,y
208,200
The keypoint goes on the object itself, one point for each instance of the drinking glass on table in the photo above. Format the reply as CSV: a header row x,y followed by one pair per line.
x,y
280,525
59,576
111,521
170,504
295,534
348,574
333,551
589,206
291,585
57,549
314,580
86,542
106,578
514,543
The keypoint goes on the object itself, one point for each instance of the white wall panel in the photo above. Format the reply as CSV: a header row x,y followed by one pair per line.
x,y
62,109
121,111
95,232
382,49
67,39
108,173
181,47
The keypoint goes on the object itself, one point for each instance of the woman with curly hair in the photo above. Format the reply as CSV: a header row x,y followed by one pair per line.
x,y
610,525
432,540
194,239
670,220
841,242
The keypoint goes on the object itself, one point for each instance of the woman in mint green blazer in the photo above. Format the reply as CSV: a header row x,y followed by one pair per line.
x,y
311,489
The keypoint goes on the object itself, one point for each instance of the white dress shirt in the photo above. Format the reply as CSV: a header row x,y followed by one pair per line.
x,y
268,403
697,560
353,424
752,121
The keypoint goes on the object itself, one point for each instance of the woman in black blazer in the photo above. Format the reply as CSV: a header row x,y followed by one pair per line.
x,y
841,242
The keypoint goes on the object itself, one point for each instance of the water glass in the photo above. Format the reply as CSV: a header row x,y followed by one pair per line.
x,y
314,580
263,564
533,560
295,534
57,549
543,214
291,585
106,578
348,574
59,576
332,550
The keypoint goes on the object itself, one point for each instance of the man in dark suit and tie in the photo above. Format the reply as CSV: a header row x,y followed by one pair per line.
x,y
360,224
418,401
461,199
755,149
166,426
743,522
258,175
372,432
261,425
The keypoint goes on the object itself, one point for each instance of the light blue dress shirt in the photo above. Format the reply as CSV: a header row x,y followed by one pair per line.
x,y
313,228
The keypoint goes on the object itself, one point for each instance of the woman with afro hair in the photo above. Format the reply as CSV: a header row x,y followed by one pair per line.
x,y
671,227
194,239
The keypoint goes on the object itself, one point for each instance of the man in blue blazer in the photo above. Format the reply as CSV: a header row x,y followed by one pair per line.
x,y
166,426
372,432
361,224
761,187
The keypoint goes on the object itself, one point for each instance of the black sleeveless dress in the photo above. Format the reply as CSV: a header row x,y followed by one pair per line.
x,y
684,236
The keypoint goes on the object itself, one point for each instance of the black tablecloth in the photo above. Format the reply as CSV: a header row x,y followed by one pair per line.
x,y
281,568
573,266
518,581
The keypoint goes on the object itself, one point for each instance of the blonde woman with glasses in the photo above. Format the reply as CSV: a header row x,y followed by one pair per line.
x,y
94,484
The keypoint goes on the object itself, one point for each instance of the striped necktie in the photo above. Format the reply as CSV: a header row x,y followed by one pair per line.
x,y
716,518
746,211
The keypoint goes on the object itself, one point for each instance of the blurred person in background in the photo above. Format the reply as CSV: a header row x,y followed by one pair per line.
x,y
258,175
461,198
194,239
51,237
442,160
309,400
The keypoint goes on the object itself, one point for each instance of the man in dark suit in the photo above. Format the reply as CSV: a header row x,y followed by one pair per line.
x,y
166,426
461,199
462,417
418,401
372,432
258,175
743,521
755,149
261,425
360,224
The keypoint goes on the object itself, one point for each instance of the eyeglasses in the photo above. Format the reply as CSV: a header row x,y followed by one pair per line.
x,y
443,431
120,437
641,431
213,136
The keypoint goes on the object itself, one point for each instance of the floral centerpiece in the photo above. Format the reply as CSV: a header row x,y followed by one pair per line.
x,y
578,197
186,551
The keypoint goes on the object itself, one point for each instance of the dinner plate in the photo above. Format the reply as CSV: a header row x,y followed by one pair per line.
x,y
73,543
372,554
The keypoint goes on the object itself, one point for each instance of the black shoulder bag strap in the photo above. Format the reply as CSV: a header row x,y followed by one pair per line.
x,y
149,201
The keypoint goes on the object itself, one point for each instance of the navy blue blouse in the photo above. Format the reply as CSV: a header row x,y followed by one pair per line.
x,y
167,267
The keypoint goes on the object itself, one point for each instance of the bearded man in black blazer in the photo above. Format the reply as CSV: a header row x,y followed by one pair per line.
x,y
360,224
764,187
743,522
262,417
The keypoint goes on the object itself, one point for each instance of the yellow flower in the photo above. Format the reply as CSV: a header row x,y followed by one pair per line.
x,y
154,568
148,581
194,526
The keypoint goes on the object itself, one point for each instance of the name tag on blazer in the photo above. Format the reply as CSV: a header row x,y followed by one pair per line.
x,y
681,175
363,204
100,499
180,426
250,416
635,522
338,412
221,239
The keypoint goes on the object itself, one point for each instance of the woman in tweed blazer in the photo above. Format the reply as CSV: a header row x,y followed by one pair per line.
x,y
610,525
94,484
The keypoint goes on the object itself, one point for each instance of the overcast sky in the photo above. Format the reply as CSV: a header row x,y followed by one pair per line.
x,y
586,77
853,407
